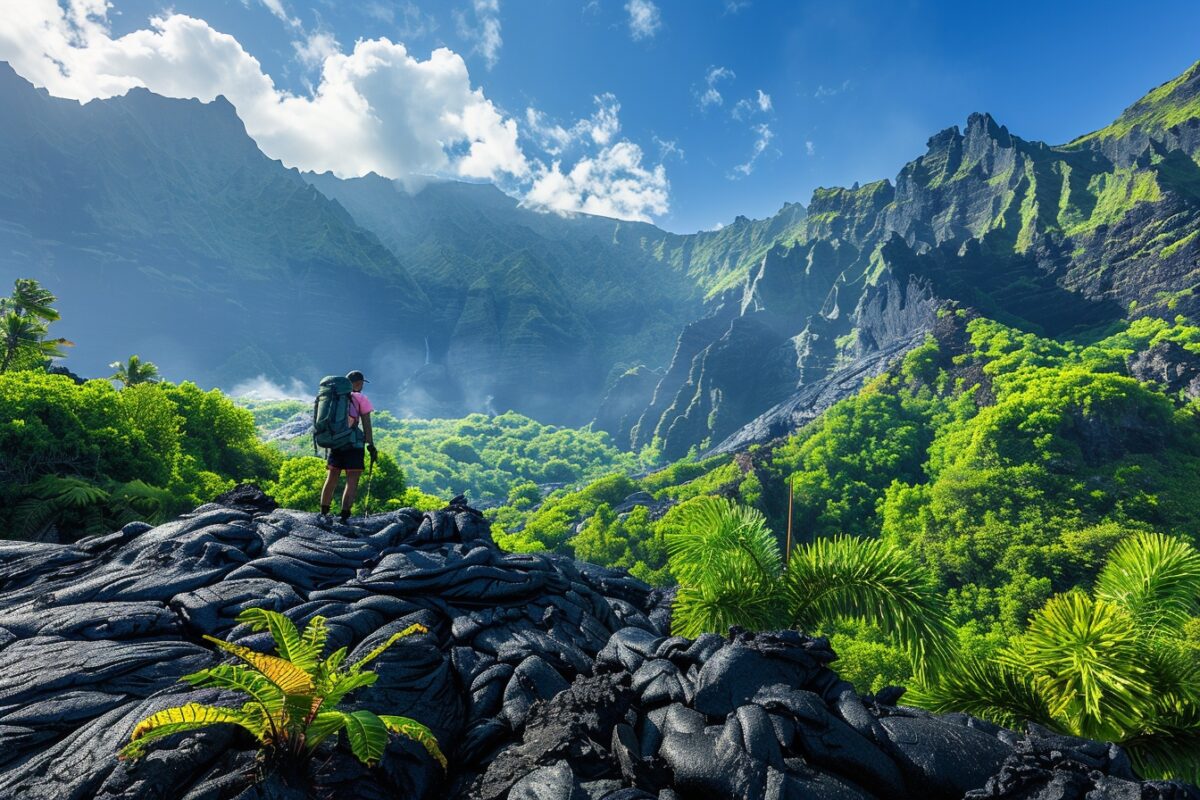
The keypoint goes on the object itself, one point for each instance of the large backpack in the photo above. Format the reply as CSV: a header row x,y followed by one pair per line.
x,y
331,410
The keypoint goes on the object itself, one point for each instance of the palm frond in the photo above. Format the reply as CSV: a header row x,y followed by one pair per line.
x,y
989,690
1155,577
871,581
1088,659
716,534
726,598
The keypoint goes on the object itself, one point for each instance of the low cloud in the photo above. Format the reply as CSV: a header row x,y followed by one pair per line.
x,y
262,388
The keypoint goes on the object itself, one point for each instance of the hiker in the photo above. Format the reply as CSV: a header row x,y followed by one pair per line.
x,y
350,457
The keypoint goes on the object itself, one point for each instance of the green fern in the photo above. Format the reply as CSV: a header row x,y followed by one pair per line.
x,y
293,695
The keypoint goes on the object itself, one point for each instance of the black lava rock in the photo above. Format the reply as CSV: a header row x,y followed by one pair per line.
x,y
542,678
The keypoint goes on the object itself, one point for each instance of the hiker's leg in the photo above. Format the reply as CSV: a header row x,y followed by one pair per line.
x,y
352,476
331,481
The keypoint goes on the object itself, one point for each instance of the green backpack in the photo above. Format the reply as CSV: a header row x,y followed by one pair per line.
x,y
331,409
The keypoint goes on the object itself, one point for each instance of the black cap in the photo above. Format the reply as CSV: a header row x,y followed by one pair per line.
x,y
356,375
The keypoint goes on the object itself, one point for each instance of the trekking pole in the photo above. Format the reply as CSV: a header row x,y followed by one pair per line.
x,y
367,502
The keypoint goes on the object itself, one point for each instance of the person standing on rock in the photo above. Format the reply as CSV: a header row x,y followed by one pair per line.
x,y
350,458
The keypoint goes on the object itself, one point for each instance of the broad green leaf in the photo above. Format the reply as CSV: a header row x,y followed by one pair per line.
x,y
367,734
325,724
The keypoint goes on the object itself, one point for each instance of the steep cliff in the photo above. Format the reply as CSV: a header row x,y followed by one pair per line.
x,y
1053,239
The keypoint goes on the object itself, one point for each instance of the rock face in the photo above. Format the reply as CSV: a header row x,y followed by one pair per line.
x,y
541,678
1049,239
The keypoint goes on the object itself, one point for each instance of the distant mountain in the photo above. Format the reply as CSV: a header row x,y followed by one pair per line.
x,y
166,232
1055,240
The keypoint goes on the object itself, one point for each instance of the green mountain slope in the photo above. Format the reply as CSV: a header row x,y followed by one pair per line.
x,y
1049,239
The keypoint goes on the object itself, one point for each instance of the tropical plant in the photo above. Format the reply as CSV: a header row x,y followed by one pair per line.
x,y
730,572
293,695
1110,666
25,319
134,371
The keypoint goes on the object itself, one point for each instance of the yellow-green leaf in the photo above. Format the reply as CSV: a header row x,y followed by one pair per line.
x,y
284,674
417,732
182,718
416,627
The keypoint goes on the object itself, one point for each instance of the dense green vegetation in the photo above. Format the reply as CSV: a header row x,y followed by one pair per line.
x,y
1009,468
481,456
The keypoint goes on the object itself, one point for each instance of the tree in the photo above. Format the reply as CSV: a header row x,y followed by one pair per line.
x,y
25,319
134,372
1110,665
731,572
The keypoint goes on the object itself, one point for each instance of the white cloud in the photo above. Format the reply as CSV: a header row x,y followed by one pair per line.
x,y
276,8
611,180
829,91
746,107
734,6
316,47
375,109
711,96
644,18
764,137
600,128
485,33
613,183
810,148
668,148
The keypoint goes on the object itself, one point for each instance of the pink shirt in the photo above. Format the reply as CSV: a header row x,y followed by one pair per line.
x,y
359,405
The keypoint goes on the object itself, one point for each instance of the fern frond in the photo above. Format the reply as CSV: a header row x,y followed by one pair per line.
x,y
417,732
288,643
287,676
238,678
181,718
415,628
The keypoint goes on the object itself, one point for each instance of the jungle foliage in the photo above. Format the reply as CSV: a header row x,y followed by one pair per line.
x,y
482,456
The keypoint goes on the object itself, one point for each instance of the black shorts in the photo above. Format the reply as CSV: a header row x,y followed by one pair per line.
x,y
347,458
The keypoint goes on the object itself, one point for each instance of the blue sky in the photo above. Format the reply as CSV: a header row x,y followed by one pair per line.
x,y
684,113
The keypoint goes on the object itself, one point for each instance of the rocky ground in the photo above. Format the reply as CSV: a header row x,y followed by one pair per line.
x,y
543,678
